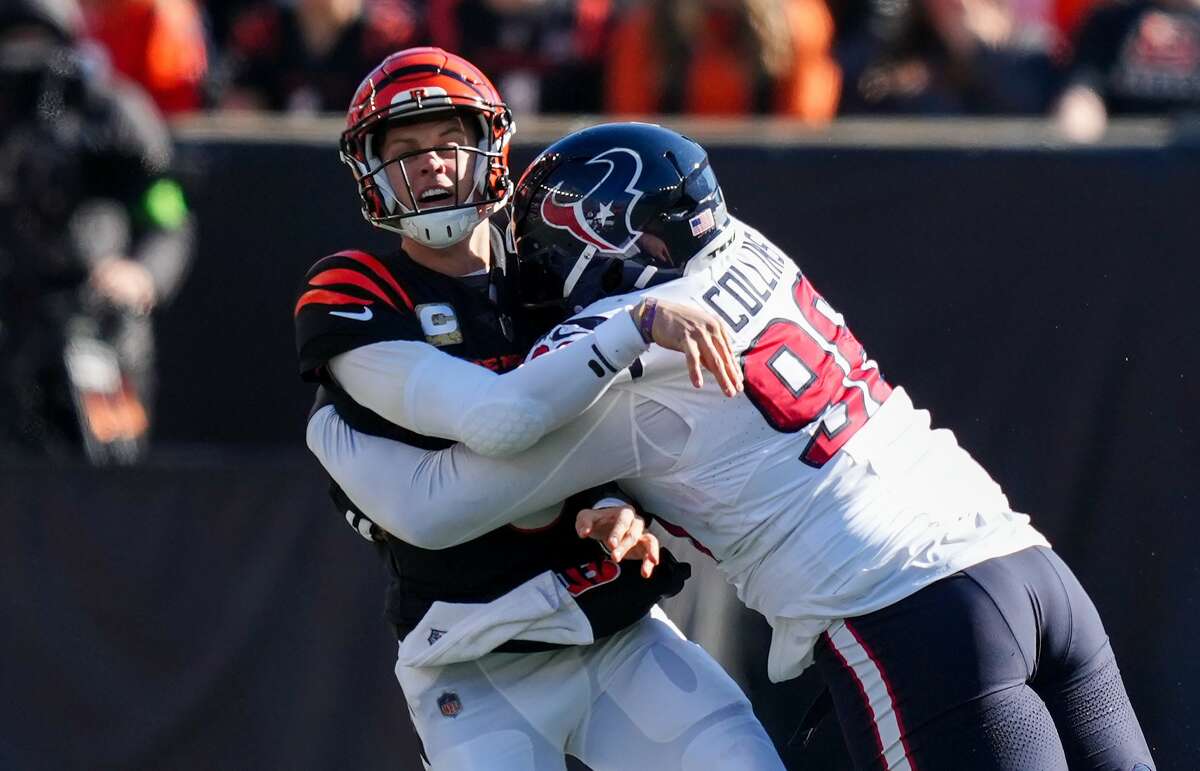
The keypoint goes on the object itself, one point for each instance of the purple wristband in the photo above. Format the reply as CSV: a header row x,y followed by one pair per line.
x,y
646,325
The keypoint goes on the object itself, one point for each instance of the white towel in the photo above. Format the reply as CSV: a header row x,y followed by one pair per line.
x,y
541,610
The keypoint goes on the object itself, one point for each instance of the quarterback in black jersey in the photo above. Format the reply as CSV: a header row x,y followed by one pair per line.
x,y
400,300
420,346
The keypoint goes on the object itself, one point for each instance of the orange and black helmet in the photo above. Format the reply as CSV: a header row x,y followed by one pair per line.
x,y
413,85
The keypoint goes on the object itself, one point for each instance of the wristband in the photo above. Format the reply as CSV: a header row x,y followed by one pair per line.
x,y
646,323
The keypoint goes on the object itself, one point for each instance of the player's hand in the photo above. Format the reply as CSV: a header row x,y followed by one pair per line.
x,y
125,283
700,336
622,533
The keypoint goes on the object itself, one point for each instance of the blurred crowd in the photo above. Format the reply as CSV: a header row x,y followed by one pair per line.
x,y
95,232
1080,60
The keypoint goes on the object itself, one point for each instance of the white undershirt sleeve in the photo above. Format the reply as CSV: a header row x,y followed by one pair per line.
x,y
417,386
435,500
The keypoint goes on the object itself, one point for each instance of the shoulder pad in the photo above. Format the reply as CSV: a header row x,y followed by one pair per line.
x,y
348,300
360,275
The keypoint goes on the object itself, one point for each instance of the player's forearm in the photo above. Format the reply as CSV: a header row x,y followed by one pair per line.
x,y
520,407
416,386
383,479
436,500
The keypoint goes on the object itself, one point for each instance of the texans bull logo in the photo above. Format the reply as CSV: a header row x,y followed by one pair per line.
x,y
600,218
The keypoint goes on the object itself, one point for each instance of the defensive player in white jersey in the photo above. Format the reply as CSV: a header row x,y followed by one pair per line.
x,y
950,634
522,643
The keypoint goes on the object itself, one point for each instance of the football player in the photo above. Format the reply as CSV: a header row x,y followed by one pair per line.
x,y
950,634
520,643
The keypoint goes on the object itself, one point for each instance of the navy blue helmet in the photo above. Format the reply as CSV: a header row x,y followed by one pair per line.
x,y
610,209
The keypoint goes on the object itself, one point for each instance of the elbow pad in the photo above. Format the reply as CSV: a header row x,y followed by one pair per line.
x,y
495,430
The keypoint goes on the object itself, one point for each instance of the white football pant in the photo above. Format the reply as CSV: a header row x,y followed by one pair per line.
x,y
644,698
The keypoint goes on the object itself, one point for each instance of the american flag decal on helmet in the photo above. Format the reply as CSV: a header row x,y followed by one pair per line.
x,y
702,223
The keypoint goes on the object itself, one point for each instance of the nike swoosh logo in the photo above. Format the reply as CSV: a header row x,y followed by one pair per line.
x,y
363,315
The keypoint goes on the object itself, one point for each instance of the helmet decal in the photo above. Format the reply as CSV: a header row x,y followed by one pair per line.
x,y
601,217
421,98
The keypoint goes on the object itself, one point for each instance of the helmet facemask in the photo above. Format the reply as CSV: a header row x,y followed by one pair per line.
x,y
432,219
481,180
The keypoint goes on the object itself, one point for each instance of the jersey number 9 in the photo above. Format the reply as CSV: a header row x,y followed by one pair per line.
x,y
811,368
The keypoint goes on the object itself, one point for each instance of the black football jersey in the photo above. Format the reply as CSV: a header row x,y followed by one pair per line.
x,y
351,299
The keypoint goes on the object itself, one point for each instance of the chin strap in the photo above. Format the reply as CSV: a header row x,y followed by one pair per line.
x,y
581,263
644,277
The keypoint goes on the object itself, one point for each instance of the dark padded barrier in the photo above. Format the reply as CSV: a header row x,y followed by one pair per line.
x,y
210,611
205,613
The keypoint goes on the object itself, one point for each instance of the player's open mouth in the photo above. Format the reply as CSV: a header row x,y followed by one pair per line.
x,y
433,195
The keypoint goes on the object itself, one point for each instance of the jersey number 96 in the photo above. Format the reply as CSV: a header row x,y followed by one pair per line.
x,y
808,368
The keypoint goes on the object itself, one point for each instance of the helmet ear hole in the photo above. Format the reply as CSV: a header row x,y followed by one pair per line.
x,y
610,281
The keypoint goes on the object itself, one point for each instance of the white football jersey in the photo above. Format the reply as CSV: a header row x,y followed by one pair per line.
x,y
822,493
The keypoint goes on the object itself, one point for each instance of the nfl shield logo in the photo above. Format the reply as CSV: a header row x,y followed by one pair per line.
x,y
435,635
449,704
